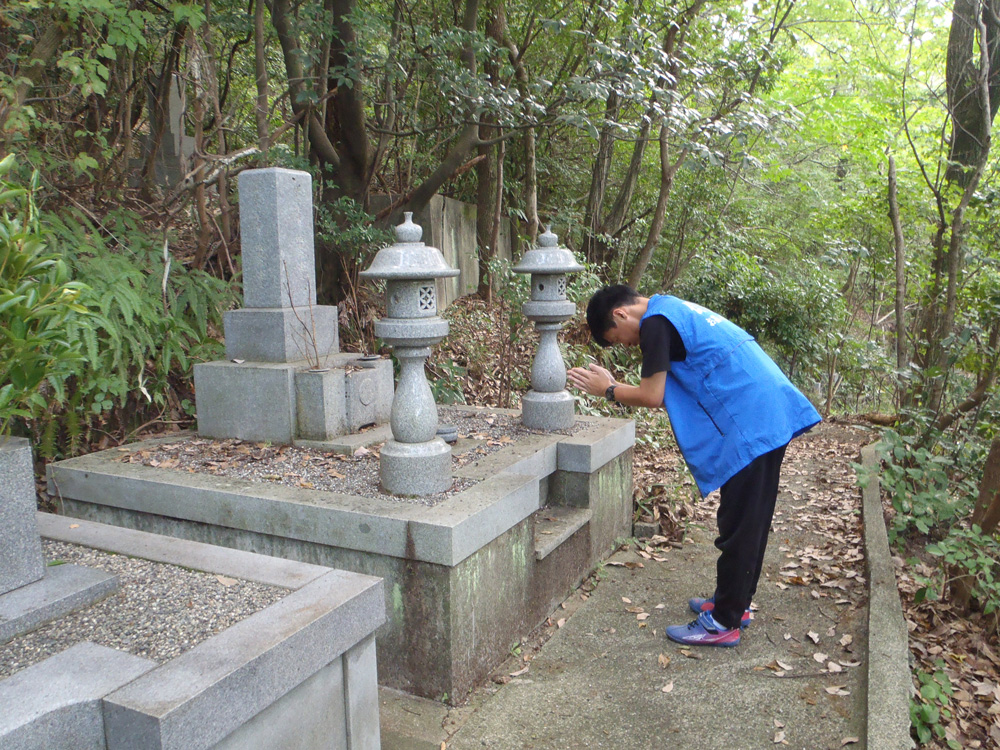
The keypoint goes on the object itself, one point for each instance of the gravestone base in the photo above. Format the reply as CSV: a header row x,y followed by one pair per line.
x,y
464,579
299,403
282,334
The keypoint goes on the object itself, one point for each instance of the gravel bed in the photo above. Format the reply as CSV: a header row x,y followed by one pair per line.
x,y
320,470
159,611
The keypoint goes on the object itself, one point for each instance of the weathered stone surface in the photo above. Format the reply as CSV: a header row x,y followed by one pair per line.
x,y
282,335
57,702
63,589
276,225
189,703
20,547
462,579
361,687
369,394
230,398
320,404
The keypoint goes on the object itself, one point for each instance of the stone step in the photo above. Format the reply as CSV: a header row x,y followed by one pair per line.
x,y
554,525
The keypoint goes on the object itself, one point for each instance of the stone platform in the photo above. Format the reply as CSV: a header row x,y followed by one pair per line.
x,y
464,579
298,673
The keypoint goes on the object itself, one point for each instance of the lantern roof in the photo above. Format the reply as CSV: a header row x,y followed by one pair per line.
x,y
547,257
408,257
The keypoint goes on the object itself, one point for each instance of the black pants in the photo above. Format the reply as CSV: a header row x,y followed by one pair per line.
x,y
745,512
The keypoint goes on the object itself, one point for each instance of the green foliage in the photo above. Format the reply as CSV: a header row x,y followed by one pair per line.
x,y
152,320
40,306
446,381
930,708
791,312
970,552
930,488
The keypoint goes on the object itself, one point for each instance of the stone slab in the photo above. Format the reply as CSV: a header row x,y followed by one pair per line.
x,y
349,444
282,334
889,682
62,589
311,716
21,560
361,699
57,703
554,525
187,703
208,558
276,226
229,396
320,403
589,450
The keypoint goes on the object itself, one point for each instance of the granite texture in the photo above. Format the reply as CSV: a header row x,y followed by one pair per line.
x,y
21,550
282,335
207,693
230,395
416,468
320,403
276,225
63,589
57,703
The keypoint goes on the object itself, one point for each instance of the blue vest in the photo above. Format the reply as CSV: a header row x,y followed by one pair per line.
x,y
727,401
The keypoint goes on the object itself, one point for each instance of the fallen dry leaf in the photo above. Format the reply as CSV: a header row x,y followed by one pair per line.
x,y
667,688
227,582
664,661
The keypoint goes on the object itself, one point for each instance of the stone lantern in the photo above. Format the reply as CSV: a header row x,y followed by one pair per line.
x,y
548,405
415,461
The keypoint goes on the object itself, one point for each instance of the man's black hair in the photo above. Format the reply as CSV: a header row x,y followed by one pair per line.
x,y
601,305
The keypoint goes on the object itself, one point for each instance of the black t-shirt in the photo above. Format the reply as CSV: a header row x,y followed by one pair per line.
x,y
660,344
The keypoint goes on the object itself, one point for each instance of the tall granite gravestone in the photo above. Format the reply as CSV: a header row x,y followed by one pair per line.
x,y
285,378
166,117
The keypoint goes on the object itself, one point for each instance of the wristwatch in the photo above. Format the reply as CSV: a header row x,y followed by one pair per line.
x,y
609,392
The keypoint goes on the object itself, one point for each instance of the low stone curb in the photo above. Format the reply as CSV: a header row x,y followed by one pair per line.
x,y
889,683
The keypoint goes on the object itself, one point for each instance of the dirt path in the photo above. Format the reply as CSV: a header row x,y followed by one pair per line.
x,y
607,677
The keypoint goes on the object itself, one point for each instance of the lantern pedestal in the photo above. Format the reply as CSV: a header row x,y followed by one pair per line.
x,y
415,468
548,411
548,406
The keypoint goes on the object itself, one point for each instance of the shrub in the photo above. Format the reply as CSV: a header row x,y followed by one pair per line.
x,y
39,303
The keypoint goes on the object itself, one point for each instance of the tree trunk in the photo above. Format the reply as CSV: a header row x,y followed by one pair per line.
x,y
599,179
527,140
900,301
41,56
667,173
973,84
985,515
260,68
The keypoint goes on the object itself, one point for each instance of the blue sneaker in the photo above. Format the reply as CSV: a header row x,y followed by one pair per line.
x,y
698,606
704,631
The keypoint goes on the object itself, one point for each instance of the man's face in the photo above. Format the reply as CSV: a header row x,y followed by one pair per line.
x,y
625,330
